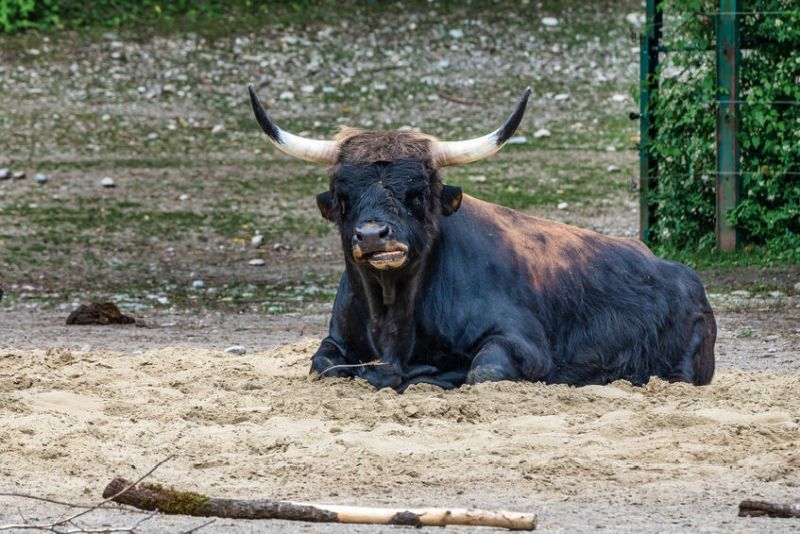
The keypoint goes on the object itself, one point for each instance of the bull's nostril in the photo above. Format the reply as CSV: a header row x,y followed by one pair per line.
x,y
384,232
359,237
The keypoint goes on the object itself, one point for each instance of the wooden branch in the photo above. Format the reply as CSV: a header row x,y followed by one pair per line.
x,y
148,496
768,509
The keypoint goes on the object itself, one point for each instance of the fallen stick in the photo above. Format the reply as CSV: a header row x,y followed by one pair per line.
x,y
768,509
148,496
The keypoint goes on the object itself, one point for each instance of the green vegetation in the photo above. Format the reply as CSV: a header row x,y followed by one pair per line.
x,y
769,136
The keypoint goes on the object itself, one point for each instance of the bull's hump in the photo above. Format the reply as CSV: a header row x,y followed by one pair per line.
x,y
540,246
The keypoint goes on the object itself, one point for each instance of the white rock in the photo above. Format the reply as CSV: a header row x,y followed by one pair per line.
x,y
40,178
637,19
5,174
152,136
619,97
328,90
743,293
257,262
542,132
550,21
443,64
456,33
287,95
797,287
307,89
776,294
613,168
198,284
563,205
517,140
379,86
561,97
108,182
106,117
257,240
183,197
217,129
480,178
238,350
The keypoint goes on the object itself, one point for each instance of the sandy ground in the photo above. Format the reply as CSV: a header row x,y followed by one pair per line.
x,y
663,458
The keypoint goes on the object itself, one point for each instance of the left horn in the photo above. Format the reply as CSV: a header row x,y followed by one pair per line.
x,y
316,150
446,153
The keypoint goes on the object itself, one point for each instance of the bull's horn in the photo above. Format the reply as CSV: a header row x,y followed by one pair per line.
x,y
446,153
316,150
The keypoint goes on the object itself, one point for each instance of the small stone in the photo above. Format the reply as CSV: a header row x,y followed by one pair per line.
x,y
86,348
40,178
307,89
108,182
379,86
543,132
443,64
797,287
169,88
198,284
238,350
152,136
480,178
636,19
5,174
619,98
456,33
743,293
772,337
257,262
217,129
287,95
561,97
613,168
772,350
257,240
183,197
106,117
563,205
328,90
550,21
776,294
18,175
517,140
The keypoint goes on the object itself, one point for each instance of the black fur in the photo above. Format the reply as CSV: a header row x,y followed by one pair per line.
x,y
492,294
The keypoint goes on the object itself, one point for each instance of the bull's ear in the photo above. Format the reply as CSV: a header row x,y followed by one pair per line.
x,y
451,199
325,205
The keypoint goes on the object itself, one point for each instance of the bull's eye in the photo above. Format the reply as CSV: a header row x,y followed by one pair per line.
x,y
415,202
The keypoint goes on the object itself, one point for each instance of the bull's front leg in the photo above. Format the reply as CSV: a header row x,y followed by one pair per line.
x,y
330,361
509,358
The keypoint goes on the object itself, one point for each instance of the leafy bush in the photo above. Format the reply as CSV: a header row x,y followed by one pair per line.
x,y
769,135
18,15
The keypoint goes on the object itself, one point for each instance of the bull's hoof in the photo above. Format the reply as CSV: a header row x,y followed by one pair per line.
x,y
488,373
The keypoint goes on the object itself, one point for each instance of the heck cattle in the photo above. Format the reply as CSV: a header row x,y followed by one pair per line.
x,y
446,289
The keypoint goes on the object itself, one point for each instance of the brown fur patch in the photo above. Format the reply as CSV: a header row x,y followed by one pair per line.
x,y
361,147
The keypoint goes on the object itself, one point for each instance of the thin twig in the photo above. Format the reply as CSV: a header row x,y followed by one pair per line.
x,y
346,365
45,499
53,527
198,527
457,99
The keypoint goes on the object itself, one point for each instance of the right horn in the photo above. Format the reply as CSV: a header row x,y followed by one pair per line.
x,y
316,150
446,153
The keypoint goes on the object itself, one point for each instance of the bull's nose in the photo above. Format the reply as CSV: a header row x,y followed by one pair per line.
x,y
372,235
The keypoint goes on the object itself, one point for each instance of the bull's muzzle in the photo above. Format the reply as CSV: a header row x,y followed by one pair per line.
x,y
373,244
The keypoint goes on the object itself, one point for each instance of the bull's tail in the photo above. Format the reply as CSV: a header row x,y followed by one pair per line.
x,y
703,365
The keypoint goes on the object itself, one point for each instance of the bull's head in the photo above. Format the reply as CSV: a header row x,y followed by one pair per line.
x,y
385,193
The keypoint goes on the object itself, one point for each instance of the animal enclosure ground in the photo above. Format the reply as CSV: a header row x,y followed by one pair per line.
x,y
166,116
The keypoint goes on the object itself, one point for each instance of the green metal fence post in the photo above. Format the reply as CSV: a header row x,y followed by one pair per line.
x,y
648,84
729,181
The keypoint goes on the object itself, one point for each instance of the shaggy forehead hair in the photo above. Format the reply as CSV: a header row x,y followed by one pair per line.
x,y
362,147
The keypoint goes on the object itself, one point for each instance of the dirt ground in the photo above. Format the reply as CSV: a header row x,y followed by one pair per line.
x,y
166,116
88,406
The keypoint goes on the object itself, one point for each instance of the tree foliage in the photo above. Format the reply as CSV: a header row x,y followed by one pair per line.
x,y
769,135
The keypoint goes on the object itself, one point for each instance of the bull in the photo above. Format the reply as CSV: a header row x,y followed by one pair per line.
x,y
443,288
